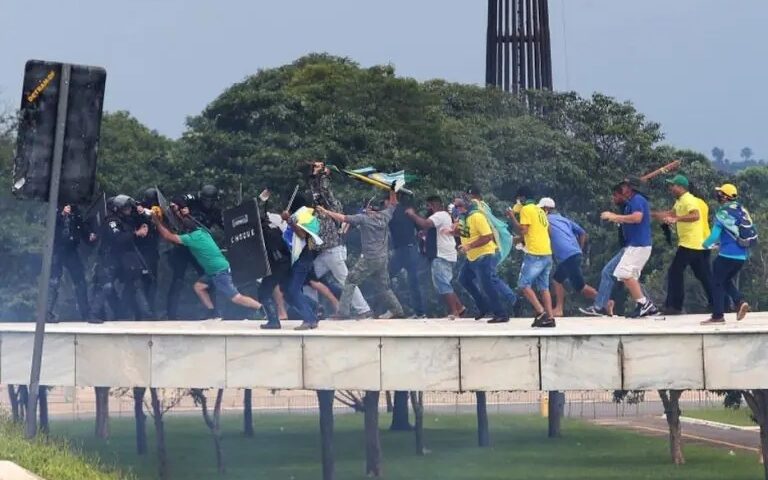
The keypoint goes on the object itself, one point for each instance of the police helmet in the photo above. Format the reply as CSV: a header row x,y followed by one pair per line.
x,y
150,197
209,192
122,201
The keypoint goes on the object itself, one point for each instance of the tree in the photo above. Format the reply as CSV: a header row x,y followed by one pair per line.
x,y
746,154
213,422
483,435
140,419
372,439
248,412
400,422
102,412
671,401
718,154
417,400
325,402
161,403
757,400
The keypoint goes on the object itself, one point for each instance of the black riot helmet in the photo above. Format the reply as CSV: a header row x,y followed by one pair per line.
x,y
121,203
150,198
209,194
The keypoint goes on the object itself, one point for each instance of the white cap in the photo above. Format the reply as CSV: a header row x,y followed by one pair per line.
x,y
546,202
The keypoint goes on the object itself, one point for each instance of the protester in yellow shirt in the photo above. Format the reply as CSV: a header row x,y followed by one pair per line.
x,y
690,215
477,243
537,260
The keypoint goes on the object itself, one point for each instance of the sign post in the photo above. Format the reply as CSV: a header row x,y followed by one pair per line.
x,y
50,230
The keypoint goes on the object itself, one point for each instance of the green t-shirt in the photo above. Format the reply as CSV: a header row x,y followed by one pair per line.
x,y
205,251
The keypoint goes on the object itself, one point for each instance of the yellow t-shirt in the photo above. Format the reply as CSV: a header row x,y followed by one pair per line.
x,y
704,214
472,228
537,238
691,234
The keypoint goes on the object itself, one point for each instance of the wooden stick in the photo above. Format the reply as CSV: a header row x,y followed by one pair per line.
x,y
670,167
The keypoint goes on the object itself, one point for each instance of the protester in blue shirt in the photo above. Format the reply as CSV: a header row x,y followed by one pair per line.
x,y
731,257
568,240
636,226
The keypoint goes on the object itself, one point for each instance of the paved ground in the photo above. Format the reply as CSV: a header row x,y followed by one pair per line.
x,y
757,322
733,439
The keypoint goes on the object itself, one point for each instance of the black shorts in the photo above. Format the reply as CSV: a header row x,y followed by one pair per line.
x,y
570,269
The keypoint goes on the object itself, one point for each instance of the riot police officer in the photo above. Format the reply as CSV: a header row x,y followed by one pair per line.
x,y
70,230
149,246
123,231
106,270
204,209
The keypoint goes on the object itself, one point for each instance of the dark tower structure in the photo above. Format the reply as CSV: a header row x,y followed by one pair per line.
x,y
518,53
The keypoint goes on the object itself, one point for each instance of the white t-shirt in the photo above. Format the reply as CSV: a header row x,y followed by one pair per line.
x,y
446,244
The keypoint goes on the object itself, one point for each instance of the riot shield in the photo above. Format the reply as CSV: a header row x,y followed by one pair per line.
x,y
168,217
246,251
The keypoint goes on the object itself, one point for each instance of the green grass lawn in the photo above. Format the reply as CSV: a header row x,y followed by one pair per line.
x,y
50,459
740,416
287,447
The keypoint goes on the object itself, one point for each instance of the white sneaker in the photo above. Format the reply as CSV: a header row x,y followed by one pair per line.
x,y
386,315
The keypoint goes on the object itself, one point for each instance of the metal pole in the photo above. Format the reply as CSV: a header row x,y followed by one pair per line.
x,y
50,230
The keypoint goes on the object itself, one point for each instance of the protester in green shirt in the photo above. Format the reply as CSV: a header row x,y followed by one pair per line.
x,y
215,265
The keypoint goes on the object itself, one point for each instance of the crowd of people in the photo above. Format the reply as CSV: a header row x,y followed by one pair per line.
x,y
306,250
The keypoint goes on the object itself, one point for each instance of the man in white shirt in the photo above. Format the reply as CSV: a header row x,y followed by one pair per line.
x,y
440,250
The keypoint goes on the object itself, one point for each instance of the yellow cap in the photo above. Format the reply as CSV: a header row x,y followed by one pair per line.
x,y
728,189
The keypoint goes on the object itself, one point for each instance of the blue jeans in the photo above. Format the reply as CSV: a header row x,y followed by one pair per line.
x,y
408,258
294,286
484,269
607,281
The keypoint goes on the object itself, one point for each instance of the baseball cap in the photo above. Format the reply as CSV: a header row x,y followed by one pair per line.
x,y
546,202
524,192
728,189
679,180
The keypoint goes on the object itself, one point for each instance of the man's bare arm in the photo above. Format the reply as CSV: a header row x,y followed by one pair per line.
x,y
166,234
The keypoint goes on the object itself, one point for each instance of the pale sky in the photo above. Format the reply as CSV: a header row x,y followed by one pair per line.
x,y
697,66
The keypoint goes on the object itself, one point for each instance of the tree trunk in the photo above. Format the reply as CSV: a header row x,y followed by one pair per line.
x,y
400,421
483,435
388,397
248,412
556,407
14,399
758,403
102,412
42,401
157,415
325,402
671,401
217,432
23,393
141,420
372,440
417,399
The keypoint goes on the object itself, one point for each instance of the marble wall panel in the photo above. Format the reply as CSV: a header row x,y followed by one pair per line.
x,y
657,362
58,367
342,363
264,362
580,363
426,363
188,361
112,360
736,361
499,363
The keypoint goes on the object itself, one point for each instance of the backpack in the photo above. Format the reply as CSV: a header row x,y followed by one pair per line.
x,y
744,231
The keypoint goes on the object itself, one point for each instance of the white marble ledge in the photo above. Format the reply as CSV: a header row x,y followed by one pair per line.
x,y
757,322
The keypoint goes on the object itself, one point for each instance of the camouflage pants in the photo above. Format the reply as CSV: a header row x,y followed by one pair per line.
x,y
376,272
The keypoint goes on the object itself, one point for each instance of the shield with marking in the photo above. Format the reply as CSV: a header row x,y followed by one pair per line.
x,y
246,251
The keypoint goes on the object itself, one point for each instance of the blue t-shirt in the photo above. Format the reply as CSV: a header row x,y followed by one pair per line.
x,y
637,234
564,234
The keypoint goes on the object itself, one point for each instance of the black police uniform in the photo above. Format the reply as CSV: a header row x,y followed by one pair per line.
x,y
70,230
206,214
149,249
131,265
106,273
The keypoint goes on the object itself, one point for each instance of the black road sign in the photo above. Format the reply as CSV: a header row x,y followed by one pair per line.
x,y
37,126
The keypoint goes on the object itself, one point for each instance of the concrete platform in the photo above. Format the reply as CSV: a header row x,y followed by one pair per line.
x,y
431,355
